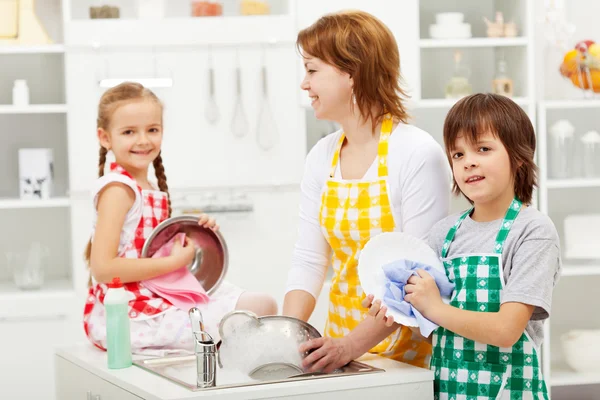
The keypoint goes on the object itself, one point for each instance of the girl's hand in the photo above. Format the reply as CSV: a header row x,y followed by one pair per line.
x,y
328,354
183,254
422,292
208,222
376,311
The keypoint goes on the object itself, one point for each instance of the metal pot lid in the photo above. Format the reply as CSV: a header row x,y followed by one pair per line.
x,y
211,261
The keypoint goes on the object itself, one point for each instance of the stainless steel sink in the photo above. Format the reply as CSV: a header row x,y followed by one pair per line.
x,y
182,371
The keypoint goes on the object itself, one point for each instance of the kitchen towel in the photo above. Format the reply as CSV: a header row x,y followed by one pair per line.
x,y
179,287
397,274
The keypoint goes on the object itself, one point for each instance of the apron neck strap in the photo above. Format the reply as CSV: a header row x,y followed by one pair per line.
x,y
507,222
387,124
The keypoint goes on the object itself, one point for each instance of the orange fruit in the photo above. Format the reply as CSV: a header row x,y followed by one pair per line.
x,y
570,63
584,82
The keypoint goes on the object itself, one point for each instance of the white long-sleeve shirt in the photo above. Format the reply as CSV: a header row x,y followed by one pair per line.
x,y
419,181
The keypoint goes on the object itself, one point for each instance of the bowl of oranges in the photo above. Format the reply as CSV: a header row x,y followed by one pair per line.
x,y
581,65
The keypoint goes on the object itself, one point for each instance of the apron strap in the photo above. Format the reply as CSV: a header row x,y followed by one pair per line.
x,y
452,232
507,223
382,149
510,216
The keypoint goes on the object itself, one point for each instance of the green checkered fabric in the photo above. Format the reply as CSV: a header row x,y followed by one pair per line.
x,y
468,370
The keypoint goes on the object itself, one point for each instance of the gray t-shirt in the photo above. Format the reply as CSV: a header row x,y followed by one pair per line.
x,y
530,258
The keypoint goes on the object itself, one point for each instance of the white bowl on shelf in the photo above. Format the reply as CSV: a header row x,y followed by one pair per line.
x,y
450,18
581,349
450,31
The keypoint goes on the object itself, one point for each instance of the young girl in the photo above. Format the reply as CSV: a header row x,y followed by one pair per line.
x,y
128,207
502,254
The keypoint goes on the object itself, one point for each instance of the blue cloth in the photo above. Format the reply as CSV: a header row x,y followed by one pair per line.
x,y
397,274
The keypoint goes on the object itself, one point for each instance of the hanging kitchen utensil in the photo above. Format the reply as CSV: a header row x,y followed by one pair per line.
x,y
266,130
211,111
239,124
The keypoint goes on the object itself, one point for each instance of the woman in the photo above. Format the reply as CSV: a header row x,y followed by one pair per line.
x,y
377,174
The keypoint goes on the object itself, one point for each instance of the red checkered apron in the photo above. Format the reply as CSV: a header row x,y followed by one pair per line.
x,y
144,304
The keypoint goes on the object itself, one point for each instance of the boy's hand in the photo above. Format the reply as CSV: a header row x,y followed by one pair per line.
x,y
422,292
208,222
376,311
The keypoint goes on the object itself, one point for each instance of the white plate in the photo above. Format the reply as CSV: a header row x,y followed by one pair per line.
x,y
384,249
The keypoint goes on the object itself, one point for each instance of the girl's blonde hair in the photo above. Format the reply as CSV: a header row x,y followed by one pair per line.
x,y
362,46
112,99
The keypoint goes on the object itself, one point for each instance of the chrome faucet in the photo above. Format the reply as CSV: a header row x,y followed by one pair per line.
x,y
206,351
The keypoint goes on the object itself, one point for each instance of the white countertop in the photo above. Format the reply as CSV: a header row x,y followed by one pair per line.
x,y
150,386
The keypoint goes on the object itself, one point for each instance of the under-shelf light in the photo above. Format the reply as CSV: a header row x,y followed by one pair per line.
x,y
146,82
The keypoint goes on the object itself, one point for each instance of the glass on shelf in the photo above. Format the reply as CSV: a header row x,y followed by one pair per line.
x,y
590,143
459,85
28,267
502,84
560,149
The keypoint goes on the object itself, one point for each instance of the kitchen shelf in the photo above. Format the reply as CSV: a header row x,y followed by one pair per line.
x,y
571,104
562,375
447,103
7,204
473,42
580,270
26,49
54,300
572,183
213,31
34,109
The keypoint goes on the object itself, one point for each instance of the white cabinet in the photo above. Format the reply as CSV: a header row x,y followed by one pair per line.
x,y
574,303
33,322
73,382
27,347
480,55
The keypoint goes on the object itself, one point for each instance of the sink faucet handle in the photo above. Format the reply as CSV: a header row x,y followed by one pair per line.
x,y
198,326
196,320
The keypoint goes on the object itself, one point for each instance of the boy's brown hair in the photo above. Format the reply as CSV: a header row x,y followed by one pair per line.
x,y
479,113
362,46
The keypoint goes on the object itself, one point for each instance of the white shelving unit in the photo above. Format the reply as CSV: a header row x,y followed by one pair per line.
x,y
28,49
50,315
448,103
11,204
473,42
558,198
480,54
34,109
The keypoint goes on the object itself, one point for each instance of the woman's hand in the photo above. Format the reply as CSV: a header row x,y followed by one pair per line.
x,y
183,254
423,293
328,354
208,222
376,311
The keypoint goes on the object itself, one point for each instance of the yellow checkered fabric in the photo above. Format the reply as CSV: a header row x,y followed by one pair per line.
x,y
352,213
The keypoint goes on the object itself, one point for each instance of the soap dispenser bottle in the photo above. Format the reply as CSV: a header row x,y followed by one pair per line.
x,y
118,340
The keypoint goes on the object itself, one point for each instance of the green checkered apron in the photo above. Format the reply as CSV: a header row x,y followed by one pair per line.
x,y
465,369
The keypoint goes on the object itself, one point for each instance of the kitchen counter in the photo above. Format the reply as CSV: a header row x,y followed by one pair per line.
x,y
81,371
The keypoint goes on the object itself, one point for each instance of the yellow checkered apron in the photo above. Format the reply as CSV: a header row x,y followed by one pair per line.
x,y
351,213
